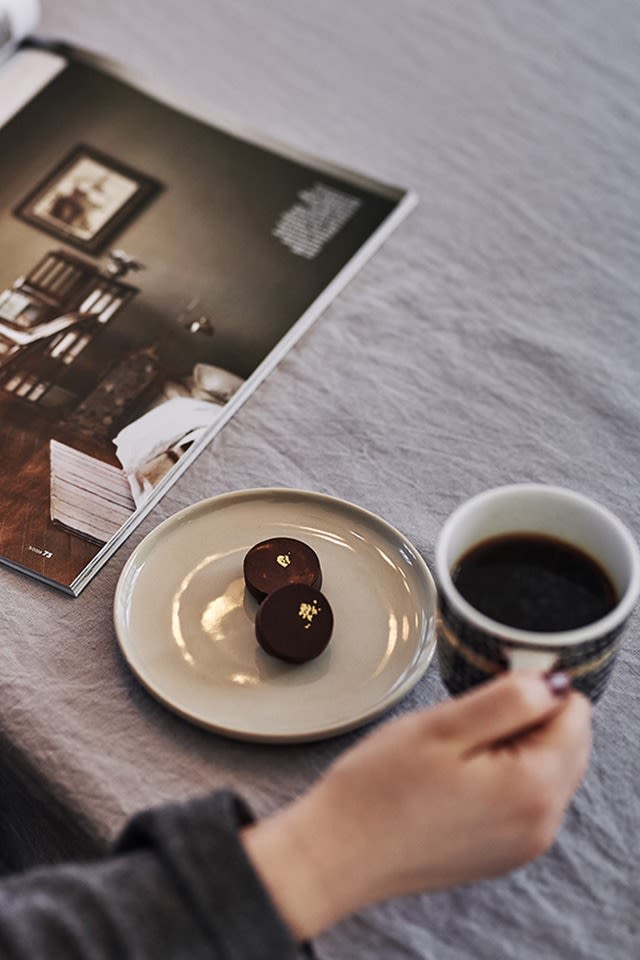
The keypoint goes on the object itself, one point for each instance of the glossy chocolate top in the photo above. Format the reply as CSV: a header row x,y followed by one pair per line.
x,y
294,623
274,563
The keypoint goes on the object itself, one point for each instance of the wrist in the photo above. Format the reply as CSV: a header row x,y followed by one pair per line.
x,y
307,865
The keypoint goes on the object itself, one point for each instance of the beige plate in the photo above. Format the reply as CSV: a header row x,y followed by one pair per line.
x,y
186,624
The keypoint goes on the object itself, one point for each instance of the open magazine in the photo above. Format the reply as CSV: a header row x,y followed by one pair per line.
x,y
153,269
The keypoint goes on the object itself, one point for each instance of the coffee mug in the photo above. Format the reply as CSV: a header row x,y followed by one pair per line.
x,y
474,647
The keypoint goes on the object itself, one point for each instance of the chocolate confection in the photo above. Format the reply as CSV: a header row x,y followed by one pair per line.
x,y
274,563
294,623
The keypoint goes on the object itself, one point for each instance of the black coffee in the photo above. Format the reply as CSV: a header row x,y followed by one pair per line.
x,y
534,583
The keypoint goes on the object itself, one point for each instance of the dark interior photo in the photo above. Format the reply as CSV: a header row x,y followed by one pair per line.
x,y
143,280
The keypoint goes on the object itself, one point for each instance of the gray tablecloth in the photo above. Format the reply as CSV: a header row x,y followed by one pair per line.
x,y
494,338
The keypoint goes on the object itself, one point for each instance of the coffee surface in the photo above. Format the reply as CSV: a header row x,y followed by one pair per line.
x,y
534,583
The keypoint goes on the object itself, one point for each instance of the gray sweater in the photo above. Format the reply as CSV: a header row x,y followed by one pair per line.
x,y
177,885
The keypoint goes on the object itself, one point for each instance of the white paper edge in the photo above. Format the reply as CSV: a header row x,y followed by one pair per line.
x,y
23,76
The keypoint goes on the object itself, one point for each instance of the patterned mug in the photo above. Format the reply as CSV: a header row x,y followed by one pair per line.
x,y
472,647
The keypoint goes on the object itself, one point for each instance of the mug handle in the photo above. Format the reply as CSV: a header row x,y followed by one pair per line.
x,y
523,659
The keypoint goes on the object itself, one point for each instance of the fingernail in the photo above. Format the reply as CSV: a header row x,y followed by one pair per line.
x,y
558,682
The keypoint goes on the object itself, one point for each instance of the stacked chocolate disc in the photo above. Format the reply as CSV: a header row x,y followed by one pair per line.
x,y
294,621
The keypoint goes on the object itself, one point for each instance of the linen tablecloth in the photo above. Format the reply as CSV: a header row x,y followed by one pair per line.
x,y
494,338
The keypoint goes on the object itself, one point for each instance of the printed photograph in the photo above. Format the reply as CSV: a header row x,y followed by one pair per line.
x,y
87,199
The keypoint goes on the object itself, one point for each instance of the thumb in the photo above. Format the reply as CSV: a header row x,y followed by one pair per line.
x,y
500,709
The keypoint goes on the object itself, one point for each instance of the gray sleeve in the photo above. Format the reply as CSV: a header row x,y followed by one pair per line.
x,y
178,884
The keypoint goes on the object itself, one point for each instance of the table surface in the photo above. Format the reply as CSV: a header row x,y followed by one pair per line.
x,y
494,338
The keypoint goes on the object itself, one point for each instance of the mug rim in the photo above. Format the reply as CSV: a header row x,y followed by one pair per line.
x,y
515,635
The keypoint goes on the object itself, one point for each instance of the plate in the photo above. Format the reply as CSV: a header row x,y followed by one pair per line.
x,y
185,622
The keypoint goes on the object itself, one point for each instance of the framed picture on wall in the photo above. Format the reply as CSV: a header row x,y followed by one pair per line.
x,y
87,199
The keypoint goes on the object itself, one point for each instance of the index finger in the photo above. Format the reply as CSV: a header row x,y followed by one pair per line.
x,y
500,709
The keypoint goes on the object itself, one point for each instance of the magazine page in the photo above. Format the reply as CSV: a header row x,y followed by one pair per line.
x,y
22,76
18,18
147,284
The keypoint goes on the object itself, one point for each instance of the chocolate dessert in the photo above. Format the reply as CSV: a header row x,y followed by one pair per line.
x,y
294,623
274,563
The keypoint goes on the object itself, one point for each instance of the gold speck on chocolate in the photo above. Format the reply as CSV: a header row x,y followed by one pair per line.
x,y
308,611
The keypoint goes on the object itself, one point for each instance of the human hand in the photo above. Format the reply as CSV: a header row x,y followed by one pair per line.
x,y
471,788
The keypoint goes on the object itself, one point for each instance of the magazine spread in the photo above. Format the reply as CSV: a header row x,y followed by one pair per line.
x,y
153,269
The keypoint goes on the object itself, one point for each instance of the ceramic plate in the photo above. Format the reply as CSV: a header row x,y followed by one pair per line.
x,y
185,622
